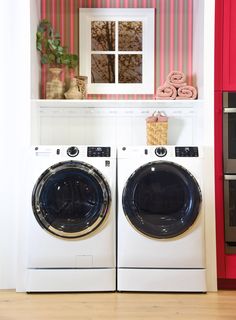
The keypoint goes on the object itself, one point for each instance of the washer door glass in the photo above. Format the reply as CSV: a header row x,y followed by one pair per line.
x,y
161,199
71,199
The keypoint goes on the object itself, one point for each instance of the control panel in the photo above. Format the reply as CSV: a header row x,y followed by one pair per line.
x,y
99,152
186,151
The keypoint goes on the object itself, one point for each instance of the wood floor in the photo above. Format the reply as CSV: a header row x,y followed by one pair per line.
x,y
88,306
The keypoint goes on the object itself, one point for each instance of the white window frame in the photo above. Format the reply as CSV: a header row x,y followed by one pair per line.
x,y
147,17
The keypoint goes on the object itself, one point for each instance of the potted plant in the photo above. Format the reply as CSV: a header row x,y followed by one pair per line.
x,y
48,43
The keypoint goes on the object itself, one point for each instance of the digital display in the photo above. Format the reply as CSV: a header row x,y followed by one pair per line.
x,y
99,152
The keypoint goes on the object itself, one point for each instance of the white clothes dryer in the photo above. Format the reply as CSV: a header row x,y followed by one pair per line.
x,y
71,221
161,219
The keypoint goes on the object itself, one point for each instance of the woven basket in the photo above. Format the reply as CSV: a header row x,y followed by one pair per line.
x,y
156,133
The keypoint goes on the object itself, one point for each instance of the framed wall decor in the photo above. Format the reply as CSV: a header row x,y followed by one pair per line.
x,y
116,50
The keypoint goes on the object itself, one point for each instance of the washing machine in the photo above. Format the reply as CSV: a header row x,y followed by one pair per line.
x,y
71,219
161,243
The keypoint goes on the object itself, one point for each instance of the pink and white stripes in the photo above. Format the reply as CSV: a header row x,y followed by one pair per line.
x,y
175,38
162,40
174,34
190,42
180,35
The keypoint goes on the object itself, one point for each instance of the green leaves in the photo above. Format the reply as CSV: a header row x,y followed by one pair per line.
x,y
48,43
44,59
73,61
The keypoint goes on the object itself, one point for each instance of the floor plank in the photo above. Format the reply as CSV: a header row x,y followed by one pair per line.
x,y
125,306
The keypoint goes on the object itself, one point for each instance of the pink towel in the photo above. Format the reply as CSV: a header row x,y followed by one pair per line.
x,y
157,117
161,117
187,92
166,92
176,79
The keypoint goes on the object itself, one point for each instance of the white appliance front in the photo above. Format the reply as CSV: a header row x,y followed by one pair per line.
x,y
158,240
71,224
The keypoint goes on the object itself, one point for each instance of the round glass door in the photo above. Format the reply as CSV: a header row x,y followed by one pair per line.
x,y
71,199
161,199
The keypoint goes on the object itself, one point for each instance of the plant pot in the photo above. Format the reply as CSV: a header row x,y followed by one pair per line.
x,y
55,88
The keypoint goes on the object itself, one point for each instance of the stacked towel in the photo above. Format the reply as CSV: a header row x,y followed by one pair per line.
x,y
187,92
176,79
167,92
175,87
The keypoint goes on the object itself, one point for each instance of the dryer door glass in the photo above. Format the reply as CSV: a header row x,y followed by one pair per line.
x,y
161,199
71,199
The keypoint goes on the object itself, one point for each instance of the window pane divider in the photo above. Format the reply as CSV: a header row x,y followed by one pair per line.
x,y
116,52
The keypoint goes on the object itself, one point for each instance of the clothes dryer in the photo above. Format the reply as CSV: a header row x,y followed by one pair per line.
x,y
161,219
71,221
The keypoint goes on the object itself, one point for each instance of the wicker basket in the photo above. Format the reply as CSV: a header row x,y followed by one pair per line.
x,y
157,133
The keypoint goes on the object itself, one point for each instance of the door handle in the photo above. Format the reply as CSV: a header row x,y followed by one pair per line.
x,y
229,110
230,176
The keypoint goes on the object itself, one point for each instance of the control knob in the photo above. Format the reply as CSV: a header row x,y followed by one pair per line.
x,y
160,152
72,151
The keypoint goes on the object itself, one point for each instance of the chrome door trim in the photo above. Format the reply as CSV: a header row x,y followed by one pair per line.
x,y
225,99
83,166
228,164
230,231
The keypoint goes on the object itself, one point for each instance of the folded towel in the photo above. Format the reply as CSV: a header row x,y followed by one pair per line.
x,y
187,92
166,92
157,116
176,79
152,118
161,117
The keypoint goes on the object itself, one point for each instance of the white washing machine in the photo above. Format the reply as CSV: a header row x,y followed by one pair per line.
x,y
161,243
71,221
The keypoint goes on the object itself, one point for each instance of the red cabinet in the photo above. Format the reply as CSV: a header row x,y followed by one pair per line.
x,y
229,45
218,44
225,80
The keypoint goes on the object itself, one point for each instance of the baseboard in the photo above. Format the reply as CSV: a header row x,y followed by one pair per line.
x,y
226,284
162,280
70,280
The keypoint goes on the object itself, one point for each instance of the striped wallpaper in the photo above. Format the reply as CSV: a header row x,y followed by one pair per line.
x,y
173,33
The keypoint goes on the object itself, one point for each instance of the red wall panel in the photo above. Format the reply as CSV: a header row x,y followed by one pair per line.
x,y
230,266
229,46
219,10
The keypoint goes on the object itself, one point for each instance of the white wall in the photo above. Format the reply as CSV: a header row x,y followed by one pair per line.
x,y
208,120
113,123
14,125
